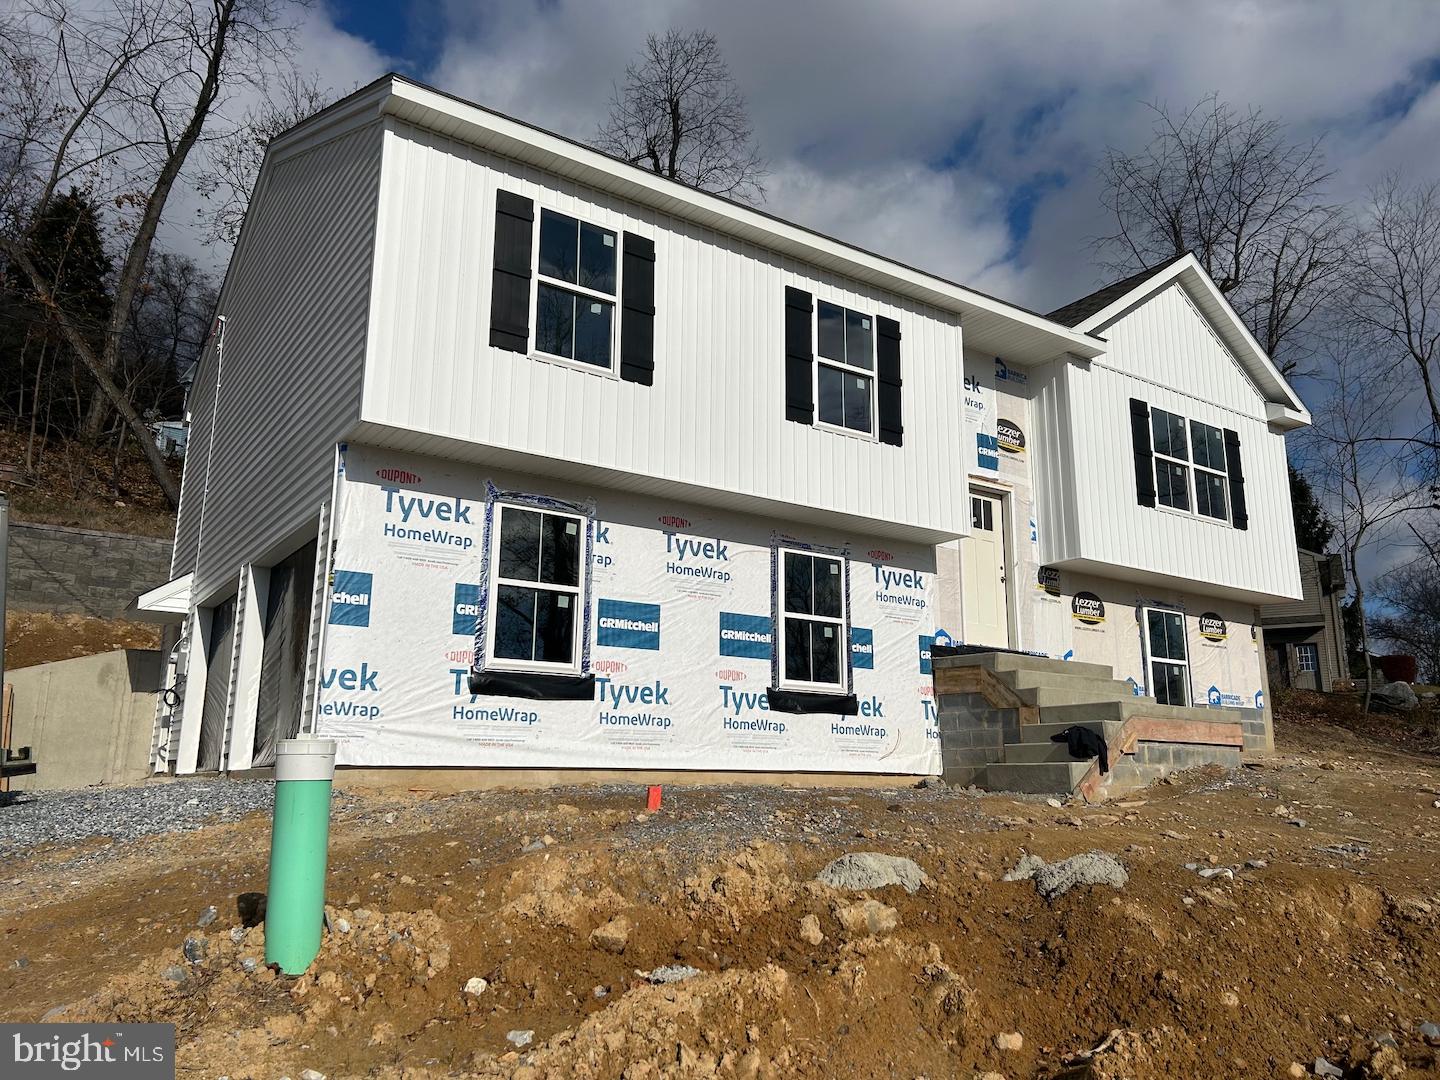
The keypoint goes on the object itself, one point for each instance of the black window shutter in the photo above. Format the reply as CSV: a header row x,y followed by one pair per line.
x,y
887,367
1144,460
637,314
510,286
1239,516
799,358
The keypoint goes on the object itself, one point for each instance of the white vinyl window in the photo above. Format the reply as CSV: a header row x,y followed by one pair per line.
x,y
1169,662
845,368
537,590
1190,470
1211,480
576,282
1307,656
1172,459
812,637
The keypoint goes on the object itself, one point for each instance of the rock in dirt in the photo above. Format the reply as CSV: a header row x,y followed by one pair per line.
x,y
194,949
1396,695
868,917
209,915
476,986
519,1038
312,1074
613,936
1324,1068
1230,999
810,931
670,973
1296,1071
174,973
858,870
1009,1040
1025,868
1430,1033
1056,879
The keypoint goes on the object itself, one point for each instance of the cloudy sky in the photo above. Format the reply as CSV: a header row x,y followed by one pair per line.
x,y
957,136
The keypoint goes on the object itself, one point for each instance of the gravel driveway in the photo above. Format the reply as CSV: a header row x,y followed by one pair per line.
x,y
32,818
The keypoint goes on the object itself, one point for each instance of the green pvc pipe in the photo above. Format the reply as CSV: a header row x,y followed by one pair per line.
x,y
299,846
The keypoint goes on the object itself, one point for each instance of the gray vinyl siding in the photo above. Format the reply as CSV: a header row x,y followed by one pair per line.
x,y
296,304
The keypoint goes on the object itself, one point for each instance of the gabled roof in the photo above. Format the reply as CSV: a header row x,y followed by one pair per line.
x,y
1092,314
1077,311
991,325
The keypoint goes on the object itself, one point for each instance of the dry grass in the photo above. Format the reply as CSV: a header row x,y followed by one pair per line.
x,y
76,485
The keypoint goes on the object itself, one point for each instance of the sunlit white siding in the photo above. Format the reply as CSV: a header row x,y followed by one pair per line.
x,y
1164,353
714,420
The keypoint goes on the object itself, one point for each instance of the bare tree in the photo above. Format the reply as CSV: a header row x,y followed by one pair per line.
x,y
1396,282
228,177
1249,202
1355,453
113,100
680,114
1411,620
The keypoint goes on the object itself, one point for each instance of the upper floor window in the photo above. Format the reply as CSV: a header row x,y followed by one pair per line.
x,y
1177,447
576,286
812,656
844,374
1210,475
536,590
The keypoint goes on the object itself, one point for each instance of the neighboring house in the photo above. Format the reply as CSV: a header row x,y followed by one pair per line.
x,y
526,457
1305,640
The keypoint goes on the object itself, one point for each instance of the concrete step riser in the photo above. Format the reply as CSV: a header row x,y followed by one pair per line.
x,y
1021,680
1028,753
1054,697
999,662
1133,706
1036,779
1040,733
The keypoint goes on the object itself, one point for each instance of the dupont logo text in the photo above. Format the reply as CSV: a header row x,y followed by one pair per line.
x,y
350,598
398,476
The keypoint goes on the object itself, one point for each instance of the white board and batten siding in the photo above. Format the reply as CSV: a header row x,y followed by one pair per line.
x,y
1163,353
296,300
714,420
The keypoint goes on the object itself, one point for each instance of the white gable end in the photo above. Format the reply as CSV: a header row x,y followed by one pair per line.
x,y
1166,341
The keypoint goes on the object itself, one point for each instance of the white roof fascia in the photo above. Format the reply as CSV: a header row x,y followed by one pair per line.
x,y
1257,364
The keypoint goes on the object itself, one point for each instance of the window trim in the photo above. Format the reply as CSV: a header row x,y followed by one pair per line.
x,y
843,366
615,301
1307,648
1151,660
492,589
843,623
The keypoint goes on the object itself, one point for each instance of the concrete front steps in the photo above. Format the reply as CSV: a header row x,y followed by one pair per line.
x,y
997,712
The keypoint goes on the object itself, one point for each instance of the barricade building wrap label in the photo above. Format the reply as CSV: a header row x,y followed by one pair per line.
x,y
680,608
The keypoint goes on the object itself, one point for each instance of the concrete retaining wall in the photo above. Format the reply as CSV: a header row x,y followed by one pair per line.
x,y
88,720
82,571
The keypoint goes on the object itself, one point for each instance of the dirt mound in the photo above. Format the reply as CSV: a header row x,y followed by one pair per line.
x,y
466,945
35,637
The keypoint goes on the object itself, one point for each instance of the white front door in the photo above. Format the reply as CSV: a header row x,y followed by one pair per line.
x,y
982,574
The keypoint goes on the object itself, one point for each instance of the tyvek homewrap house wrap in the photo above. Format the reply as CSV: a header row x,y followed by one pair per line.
x,y
509,455
682,604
